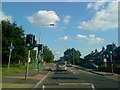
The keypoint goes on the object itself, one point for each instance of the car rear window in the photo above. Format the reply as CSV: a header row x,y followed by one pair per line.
x,y
61,64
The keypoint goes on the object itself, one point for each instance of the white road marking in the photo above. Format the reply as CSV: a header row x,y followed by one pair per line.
x,y
92,86
41,80
43,87
71,71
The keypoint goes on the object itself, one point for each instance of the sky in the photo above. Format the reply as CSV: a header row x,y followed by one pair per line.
x,y
85,26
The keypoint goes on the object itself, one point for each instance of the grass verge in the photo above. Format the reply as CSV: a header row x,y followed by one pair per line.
x,y
14,69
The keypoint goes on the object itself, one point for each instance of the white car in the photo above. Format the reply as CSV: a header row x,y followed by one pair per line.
x,y
61,66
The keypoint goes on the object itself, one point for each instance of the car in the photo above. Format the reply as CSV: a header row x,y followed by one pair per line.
x,y
61,66
69,64
91,65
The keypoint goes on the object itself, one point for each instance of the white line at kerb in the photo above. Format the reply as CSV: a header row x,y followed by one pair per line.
x,y
41,80
71,71
93,87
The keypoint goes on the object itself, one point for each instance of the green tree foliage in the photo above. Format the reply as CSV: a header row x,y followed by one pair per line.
x,y
72,54
11,33
47,55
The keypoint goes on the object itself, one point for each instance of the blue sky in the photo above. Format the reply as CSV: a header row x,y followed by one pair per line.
x,y
85,26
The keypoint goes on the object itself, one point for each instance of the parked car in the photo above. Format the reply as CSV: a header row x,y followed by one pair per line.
x,y
61,66
90,65
69,64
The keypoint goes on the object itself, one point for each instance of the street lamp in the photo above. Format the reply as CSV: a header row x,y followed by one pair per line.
x,y
39,54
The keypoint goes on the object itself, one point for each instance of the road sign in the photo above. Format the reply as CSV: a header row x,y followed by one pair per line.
x,y
10,47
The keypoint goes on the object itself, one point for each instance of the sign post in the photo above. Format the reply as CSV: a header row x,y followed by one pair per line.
x,y
11,48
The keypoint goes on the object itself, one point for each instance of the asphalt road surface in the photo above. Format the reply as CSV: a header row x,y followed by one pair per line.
x,y
77,78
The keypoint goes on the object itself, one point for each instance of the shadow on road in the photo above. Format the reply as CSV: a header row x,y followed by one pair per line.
x,y
70,78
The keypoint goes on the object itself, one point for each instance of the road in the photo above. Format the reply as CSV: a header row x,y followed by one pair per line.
x,y
77,78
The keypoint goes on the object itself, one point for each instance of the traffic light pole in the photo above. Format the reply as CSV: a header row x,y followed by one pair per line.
x,y
27,66
39,60
111,63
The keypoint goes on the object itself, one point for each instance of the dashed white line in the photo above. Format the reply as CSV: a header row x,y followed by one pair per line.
x,y
43,87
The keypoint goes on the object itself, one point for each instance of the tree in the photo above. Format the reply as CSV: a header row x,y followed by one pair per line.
x,y
11,33
72,55
47,55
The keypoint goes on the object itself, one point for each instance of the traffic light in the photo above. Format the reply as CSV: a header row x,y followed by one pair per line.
x,y
40,48
30,41
34,41
110,48
111,52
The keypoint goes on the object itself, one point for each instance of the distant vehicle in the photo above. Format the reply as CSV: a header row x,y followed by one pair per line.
x,y
90,65
61,66
69,64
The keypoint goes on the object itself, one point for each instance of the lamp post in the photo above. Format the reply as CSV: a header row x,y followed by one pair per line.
x,y
39,54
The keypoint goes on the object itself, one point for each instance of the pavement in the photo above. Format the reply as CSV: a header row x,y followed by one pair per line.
x,y
113,76
17,80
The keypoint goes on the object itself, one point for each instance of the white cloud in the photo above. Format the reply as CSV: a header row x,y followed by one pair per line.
x,y
91,36
43,18
67,19
104,19
64,38
95,40
57,54
92,39
5,17
81,36
97,5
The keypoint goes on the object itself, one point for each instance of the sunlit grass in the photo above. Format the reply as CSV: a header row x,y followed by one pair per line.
x,y
14,69
6,71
